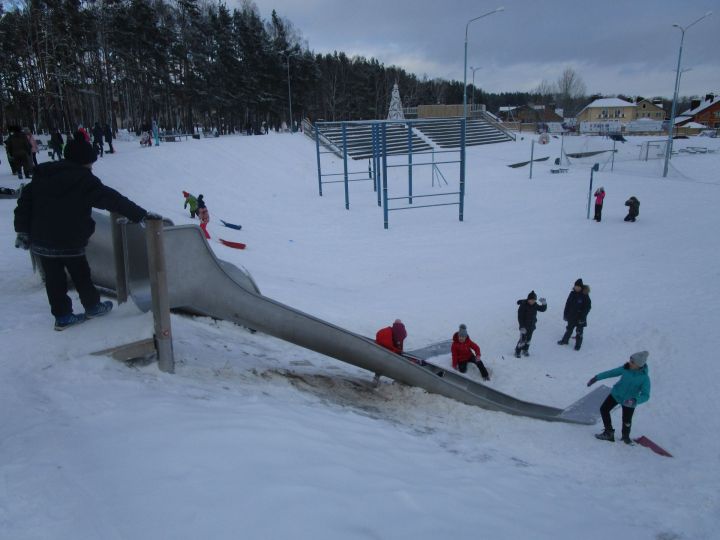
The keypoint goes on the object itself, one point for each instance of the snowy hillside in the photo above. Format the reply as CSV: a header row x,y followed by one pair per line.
x,y
256,438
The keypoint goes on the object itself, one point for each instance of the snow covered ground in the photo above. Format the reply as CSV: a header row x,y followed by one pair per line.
x,y
256,438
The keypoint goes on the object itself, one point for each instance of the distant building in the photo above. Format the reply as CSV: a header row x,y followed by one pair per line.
x,y
702,111
530,113
649,109
608,109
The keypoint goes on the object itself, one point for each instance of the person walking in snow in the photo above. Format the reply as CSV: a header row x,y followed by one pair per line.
x,y
192,202
203,214
577,307
34,148
392,337
633,205
107,132
53,220
56,144
20,150
98,134
527,319
631,390
465,351
599,197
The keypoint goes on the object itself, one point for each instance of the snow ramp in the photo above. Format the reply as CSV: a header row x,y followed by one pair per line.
x,y
200,283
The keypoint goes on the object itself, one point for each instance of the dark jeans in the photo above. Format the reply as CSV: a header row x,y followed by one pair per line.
x,y
56,283
572,325
462,366
523,343
112,150
598,212
627,414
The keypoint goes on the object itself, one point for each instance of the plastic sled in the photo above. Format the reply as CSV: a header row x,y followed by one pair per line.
x,y
647,443
236,245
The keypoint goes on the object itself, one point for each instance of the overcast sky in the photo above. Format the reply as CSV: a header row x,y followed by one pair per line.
x,y
616,46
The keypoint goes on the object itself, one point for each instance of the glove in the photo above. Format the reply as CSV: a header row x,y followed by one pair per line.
x,y
523,331
592,381
542,301
631,402
22,241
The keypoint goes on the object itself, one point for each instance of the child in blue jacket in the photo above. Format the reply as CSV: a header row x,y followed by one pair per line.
x,y
631,390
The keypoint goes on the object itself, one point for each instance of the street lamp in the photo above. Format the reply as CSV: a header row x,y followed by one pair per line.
x,y
288,55
496,10
472,98
671,127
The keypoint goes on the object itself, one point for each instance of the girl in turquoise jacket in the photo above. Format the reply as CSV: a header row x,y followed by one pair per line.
x,y
631,390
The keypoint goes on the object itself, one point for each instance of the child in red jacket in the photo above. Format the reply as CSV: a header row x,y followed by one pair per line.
x,y
464,351
392,337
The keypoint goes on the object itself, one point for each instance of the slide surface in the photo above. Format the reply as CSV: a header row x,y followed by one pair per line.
x,y
200,283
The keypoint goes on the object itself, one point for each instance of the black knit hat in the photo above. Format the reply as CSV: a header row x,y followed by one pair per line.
x,y
79,151
532,296
579,283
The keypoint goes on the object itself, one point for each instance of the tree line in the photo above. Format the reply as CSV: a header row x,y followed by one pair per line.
x,y
188,63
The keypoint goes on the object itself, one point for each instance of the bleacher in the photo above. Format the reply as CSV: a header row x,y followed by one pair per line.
x,y
436,133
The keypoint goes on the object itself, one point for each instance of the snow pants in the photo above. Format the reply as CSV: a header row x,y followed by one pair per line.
x,y
598,212
462,366
56,283
523,343
572,325
627,414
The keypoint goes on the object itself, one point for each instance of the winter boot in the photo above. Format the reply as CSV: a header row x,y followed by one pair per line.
x,y
562,342
517,353
626,434
66,321
525,352
102,308
607,435
578,342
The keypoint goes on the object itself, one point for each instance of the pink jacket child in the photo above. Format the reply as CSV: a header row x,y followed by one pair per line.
x,y
599,197
203,214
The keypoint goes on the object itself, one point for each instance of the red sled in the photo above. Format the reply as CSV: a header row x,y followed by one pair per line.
x,y
644,441
236,245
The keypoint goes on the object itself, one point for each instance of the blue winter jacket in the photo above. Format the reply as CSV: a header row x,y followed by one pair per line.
x,y
633,383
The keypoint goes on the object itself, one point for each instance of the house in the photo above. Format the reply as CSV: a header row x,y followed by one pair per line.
x,y
653,110
608,109
530,114
705,111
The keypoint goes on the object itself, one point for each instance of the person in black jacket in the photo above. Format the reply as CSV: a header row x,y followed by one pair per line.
x,y
53,219
576,311
19,148
56,145
633,205
527,318
107,131
98,133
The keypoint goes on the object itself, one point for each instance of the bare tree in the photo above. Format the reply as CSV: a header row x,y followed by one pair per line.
x,y
570,89
544,91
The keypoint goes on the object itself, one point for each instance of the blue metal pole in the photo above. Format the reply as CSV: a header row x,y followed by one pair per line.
x,y
384,175
462,168
345,166
376,157
590,192
532,156
410,166
317,150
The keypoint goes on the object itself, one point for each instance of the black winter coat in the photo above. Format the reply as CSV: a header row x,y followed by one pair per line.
x,y
98,134
18,145
577,307
527,314
633,206
55,207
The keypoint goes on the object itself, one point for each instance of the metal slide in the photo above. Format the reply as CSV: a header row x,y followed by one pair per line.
x,y
198,282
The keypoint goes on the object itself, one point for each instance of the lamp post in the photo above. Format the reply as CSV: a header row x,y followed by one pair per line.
x,y
288,55
671,127
496,10
472,98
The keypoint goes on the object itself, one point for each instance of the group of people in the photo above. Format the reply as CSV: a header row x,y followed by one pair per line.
x,y
631,390
198,208
632,203
22,147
